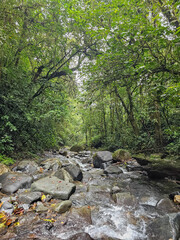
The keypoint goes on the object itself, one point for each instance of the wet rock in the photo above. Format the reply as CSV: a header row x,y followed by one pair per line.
x,y
101,159
134,166
40,207
51,164
98,198
115,189
81,236
98,188
87,160
78,199
55,187
27,166
166,205
63,152
176,227
7,207
4,169
75,172
124,198
63,206
72,222
160,229
112,170
29,197
11,182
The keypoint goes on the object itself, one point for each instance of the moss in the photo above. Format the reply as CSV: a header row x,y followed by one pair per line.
x,y
157,161
121,155
77,148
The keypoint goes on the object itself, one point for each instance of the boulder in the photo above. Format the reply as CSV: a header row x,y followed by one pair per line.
x,y
13,181
53,186
67,176
101,159
75,172
121,155
59,174
112,169
124,198
160,229
4,169
63,152
51,164
81,236
76,148
63,206
176,226
166,205
29,197
27,166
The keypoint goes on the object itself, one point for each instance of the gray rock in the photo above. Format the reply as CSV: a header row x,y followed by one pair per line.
x,y
55,187
124,198
113,170
11,182
102,159
176,226
7,207
29,197
81,236
166,205
0,186
63,206
27,166
51,164
40,207
67,176
159,229
59,174
75,172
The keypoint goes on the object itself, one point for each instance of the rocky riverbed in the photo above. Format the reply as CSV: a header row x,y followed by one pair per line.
x,y
66,197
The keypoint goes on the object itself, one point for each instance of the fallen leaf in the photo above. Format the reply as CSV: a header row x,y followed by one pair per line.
x,y
18,211
41,170
9,222
49,220
43,198
1,204
16,224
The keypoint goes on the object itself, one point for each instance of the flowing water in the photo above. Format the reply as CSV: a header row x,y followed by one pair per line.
x,y
129,217
126,205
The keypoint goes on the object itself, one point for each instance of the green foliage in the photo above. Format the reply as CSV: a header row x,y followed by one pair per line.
x,y
6,160
127,55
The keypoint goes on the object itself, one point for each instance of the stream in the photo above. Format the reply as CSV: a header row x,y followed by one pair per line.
x,y
107,204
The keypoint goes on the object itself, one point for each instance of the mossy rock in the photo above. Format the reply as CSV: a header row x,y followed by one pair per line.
x,y
77,148
121,155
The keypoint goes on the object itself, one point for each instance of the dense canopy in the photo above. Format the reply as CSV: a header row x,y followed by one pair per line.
x,y
94,73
